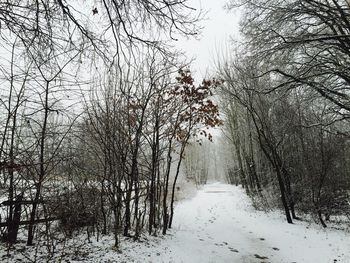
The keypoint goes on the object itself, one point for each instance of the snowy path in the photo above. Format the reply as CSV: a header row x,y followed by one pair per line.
x,y
218,225
210,228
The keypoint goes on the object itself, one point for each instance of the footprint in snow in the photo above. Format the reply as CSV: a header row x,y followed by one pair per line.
x,y
233,250
260,257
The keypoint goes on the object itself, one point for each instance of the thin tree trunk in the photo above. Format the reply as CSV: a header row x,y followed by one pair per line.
x,y
42,168
165,194
173,189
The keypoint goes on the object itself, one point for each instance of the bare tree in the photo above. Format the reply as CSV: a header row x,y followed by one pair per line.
x,y
302,44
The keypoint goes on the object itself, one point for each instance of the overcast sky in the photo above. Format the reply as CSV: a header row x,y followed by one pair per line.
x,y
219,27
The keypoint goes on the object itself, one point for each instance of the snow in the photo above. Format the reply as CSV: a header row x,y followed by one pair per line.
x,y
219,224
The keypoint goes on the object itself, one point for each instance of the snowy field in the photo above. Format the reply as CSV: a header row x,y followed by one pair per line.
x,y
219,225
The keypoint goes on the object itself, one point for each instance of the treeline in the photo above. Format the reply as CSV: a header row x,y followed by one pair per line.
x,y
132,141
95,118
287,105
114,167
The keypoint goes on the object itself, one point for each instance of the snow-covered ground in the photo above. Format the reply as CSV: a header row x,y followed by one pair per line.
x,y
220,225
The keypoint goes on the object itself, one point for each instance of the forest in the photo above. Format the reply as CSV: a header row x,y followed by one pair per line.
x,y
101,117
287,106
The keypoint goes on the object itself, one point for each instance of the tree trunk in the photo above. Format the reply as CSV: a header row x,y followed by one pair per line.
x,y
42,168
165,194
174,187
13,225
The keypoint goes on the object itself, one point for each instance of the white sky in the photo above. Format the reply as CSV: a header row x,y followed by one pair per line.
x,y
219,27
